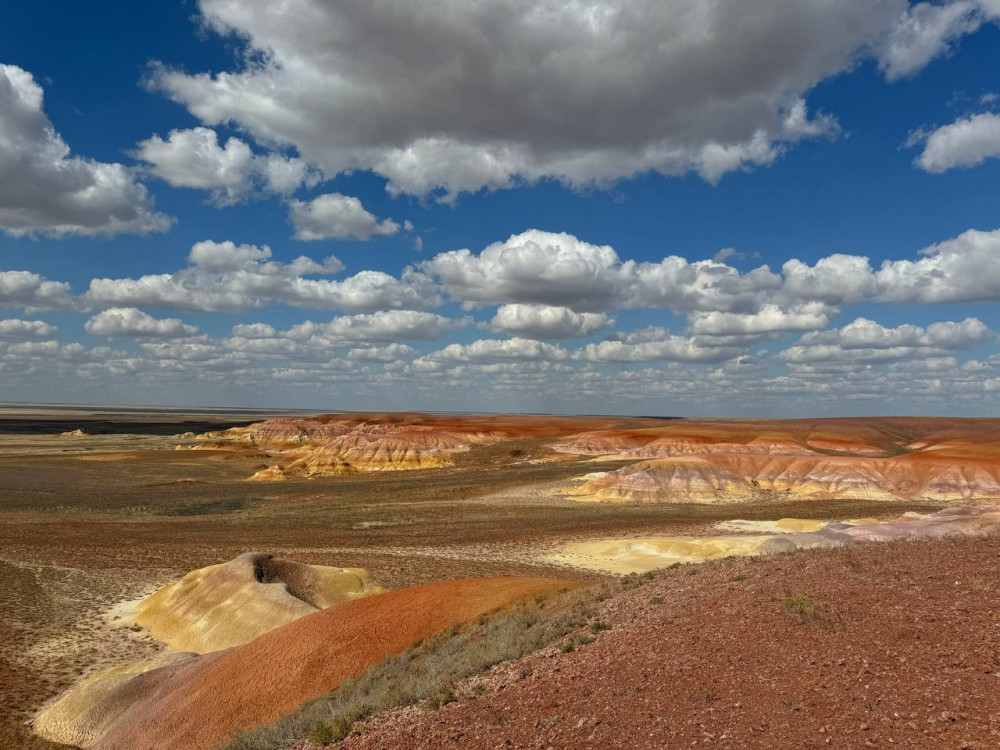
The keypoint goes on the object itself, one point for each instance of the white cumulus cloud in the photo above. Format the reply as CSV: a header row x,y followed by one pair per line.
x,y
231,172
966,142
15,328
560,270
770,318
224,276
33,292
336,216
547,322
128,321
963,269
444,97
928,30
865,341
652,344
499,350
46,190
384,325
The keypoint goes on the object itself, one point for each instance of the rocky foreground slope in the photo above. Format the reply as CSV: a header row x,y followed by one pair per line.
x,y
196,702
879,645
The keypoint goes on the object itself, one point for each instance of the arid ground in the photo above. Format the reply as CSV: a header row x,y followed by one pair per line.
x,y
883,645
89,521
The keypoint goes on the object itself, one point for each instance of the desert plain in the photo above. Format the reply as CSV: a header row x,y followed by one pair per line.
x,y
747,583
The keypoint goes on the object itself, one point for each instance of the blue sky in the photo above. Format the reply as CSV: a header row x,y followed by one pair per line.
x,y
567,152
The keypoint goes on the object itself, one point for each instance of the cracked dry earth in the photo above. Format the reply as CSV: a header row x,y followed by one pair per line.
x,y
899,647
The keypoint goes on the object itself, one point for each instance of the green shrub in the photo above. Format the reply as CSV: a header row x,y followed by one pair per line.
x,y
801,606
321,734
341,728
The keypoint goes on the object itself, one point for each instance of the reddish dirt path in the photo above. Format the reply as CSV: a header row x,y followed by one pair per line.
x,y
201,703
903,651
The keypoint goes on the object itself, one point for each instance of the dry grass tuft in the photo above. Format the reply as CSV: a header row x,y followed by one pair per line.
x,y
808,612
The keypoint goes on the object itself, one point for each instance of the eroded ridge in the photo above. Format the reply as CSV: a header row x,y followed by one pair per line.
x,y
338,444
708,462
232,603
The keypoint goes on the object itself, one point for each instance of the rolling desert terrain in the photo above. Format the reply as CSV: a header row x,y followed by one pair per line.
x,y
208,578
500,375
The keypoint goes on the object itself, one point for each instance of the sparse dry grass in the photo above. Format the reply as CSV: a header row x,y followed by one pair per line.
x,y
429,673
808,612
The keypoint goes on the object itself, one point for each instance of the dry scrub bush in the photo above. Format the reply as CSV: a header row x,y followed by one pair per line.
x,y
801,607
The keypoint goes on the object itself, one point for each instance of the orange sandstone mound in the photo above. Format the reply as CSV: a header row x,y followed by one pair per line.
x,y
201,701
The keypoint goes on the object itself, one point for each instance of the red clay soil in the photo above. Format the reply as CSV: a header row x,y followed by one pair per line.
x,y
201,703
901,649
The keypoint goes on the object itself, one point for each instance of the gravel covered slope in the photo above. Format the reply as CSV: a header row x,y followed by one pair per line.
x,y
880,645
